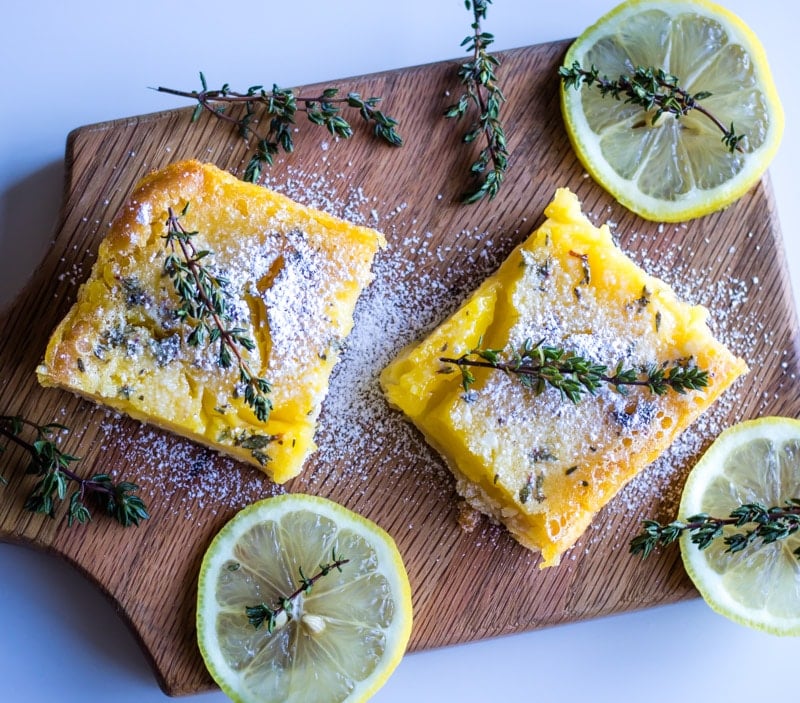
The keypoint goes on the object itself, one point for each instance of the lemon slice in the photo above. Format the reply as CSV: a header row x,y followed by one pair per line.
x,y
757,461
678,168
337,641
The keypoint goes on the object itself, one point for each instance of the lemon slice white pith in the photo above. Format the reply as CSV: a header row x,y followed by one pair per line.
x,y
753,462
343,638
679,168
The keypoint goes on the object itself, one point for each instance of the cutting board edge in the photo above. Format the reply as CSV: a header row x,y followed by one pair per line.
x,y
73,141
104,125
19,540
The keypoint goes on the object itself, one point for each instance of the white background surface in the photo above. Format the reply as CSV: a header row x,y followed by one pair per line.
x,y
66,64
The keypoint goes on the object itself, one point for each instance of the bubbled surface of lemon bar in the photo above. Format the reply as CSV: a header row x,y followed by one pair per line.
x,y
293,275
540,464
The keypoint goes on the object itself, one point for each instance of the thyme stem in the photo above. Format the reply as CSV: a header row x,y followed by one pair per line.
x,y
207,97
190,257
53,467
203,297
280,106
650,88
771,524
262,613
539,366
484,94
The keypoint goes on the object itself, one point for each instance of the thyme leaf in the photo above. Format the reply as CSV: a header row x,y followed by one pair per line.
x,y
53,469
278,108
484,96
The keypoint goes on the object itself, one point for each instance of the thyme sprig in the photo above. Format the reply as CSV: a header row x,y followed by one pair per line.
x,y
484,95
280,107
770,525
53,467
258,615
204,308
651,89
539,366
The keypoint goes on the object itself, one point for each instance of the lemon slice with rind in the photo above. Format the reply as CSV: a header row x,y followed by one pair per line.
x,y
338,640
678,168
757,461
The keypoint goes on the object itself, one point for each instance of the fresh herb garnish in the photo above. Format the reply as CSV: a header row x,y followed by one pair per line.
x,y
53,467
485,96
651,89
204,308
539,365
770,525
278,107
258,615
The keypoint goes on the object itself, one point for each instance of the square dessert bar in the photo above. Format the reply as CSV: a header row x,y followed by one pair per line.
x,y
523,450
287,278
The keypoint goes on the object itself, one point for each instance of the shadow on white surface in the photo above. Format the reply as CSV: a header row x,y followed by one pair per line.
x,y
29,211
51,605
54,598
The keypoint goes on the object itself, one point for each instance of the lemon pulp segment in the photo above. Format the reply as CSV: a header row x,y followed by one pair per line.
x,y
676,168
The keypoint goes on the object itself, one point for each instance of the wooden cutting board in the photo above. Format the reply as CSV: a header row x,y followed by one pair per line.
x,y
466,586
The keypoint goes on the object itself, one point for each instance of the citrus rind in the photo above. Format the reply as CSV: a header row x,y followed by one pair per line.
x,y
753,461
381,560
690,156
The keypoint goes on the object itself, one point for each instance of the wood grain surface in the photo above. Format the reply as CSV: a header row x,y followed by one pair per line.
x,y
466,586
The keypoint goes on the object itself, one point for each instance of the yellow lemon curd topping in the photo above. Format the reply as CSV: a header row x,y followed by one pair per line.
x,y
540,464
293,276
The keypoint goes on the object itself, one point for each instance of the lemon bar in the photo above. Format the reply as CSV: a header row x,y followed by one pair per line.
x,y
288,278
529,454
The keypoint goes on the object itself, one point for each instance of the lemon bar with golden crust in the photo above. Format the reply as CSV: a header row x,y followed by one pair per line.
x,y
290,277
530,457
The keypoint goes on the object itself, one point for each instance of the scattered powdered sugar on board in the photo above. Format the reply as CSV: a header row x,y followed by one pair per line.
x,y
418,284
314,189
741,331
184,474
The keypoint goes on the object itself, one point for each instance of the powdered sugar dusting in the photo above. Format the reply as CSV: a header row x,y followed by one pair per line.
x,y
725,296
416,285
402,305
